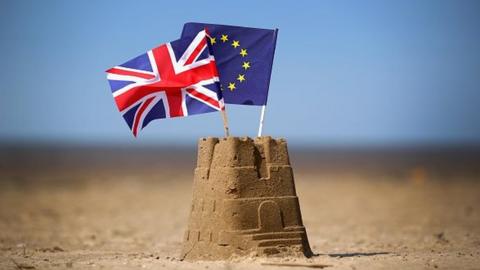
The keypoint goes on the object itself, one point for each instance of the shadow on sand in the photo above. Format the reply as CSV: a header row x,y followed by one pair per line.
x,y
353,254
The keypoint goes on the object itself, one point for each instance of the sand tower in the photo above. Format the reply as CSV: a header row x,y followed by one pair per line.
x,y
244,201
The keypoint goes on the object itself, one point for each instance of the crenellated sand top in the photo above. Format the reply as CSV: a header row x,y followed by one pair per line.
x,y
241,151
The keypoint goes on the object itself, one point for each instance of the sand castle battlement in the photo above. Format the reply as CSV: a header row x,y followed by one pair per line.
x,y
244,201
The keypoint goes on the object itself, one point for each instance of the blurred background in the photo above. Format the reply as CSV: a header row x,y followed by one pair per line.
x,y
379,102
346,73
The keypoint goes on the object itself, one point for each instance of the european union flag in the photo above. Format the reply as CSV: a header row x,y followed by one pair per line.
x,y
244,58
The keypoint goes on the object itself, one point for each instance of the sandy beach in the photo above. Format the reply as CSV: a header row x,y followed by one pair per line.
x,y
113,208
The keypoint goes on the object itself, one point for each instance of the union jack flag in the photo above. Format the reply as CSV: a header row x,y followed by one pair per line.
x,y
176,79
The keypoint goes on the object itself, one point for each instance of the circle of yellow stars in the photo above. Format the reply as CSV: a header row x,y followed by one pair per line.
x,y
243,53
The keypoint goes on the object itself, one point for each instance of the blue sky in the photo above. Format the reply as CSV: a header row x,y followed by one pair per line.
x,y
345,72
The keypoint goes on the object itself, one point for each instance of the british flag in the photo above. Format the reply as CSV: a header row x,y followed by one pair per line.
x,y
176,79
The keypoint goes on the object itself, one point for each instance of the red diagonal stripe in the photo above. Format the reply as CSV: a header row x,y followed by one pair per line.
x,y
204,98
138,115
196,52
130,73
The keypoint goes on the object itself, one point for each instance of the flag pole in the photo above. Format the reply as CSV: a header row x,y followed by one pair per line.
x,y
262,115
225,122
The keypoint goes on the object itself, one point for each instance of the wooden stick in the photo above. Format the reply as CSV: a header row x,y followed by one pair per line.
x,y
262,115
225,122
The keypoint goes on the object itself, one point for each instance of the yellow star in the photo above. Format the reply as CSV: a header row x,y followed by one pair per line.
x,y
224,38
231,86
241,77
213,40
243,52
246,65
235,43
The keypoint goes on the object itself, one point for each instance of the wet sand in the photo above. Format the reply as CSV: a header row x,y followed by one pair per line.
x,y
112,208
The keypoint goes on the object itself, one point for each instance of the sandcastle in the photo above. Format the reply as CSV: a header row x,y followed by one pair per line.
x,y
244,202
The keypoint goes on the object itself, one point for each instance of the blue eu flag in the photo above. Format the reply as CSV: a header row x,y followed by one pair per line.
x,y
244,58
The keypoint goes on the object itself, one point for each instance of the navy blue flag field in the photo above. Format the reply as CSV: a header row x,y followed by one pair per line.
x,y
244,58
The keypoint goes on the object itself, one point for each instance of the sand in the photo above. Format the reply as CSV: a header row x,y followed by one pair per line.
x,y
122,209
